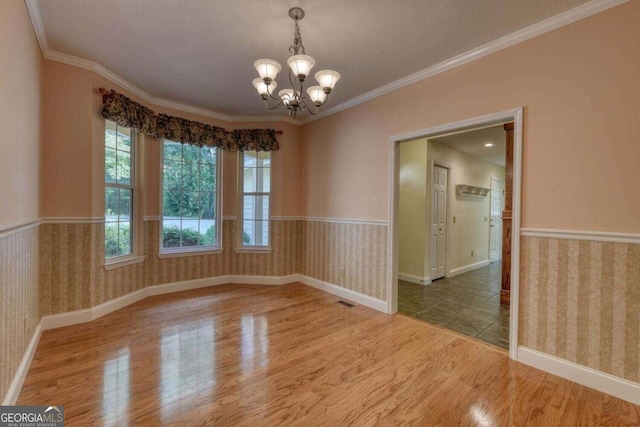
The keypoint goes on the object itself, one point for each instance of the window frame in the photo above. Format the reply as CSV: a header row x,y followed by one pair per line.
x,y
240,246
136,224
190,250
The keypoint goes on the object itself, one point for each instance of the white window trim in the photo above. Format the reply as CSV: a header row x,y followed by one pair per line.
x,y
137,222
240,247
191,251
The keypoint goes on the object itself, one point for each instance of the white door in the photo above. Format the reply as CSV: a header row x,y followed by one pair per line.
x,y
438,221
495,230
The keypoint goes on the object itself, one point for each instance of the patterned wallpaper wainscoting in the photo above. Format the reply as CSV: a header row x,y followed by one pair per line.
x,y
73,276
580,301
359,249
19,299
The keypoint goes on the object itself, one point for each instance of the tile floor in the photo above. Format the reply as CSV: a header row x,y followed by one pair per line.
x,y
468,304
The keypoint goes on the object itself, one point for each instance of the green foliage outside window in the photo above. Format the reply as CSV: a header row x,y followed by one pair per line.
x,y
189,195
118,191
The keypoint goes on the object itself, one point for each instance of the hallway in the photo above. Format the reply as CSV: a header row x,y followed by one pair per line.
x,y
468,304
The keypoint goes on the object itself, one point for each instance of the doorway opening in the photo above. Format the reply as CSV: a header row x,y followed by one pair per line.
x,y
455,215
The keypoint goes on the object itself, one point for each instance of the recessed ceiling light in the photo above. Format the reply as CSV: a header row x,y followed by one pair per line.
x,y
489,144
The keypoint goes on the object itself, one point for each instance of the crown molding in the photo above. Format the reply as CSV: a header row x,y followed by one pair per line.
x,y
583,11
38,26
52,55
572,15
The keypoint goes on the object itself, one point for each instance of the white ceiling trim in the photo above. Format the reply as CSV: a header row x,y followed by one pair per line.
x,y
125,84
550,24
53,55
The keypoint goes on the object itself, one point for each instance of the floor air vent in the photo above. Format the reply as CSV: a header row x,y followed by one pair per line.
x,y
348,304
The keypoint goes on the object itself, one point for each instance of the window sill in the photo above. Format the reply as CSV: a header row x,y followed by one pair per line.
x,y
191,252
257,250
110,264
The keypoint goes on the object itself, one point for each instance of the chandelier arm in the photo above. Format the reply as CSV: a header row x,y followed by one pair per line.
x,y
293,85
274,107
303,101
277,98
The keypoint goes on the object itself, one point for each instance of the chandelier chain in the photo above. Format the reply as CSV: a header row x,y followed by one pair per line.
x,y
297,41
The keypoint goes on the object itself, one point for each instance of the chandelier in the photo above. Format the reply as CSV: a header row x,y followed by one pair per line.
x,y
300,65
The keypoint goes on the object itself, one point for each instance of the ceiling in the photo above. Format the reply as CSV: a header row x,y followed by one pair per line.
x,y
472,143
201,52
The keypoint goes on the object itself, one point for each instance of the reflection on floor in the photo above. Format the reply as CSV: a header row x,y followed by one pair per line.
x,y
468,304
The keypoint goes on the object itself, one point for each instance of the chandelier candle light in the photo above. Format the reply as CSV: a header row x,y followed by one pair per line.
x,y
300,66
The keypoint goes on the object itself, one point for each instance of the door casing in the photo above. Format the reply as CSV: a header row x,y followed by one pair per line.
x,y
514,115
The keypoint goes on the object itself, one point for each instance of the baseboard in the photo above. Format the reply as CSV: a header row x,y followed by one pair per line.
x,y
86,315
21,374
186,285
466,268
606,383
414,279
357,297
263,280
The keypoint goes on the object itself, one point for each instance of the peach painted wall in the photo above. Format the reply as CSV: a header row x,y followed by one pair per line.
x,y
73,160
20,101
67,142
579,87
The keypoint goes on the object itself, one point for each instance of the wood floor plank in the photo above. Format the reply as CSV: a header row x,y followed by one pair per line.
x,y
290,355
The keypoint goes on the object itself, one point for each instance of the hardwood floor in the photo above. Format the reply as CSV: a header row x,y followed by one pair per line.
x,y
290,355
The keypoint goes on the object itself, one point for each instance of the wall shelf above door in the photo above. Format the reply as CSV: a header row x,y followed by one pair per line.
x,y
471,191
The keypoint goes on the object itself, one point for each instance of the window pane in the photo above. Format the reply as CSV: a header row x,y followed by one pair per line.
x,y
263,177
190,205
118,202
209,155
256,207
248,207
261,208
207,232
262,233
170,234
248,233
124,205
250,180
111,204
207,177
110,135
190,153
172,150
189,195
190,176
265,208
111,239
109,164
171,204
124,238
172,175
124,139
190,232
264,159
250,160
208,206
123,167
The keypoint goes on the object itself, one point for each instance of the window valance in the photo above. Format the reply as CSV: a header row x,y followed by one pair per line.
x,y
128,113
